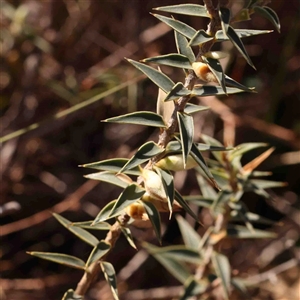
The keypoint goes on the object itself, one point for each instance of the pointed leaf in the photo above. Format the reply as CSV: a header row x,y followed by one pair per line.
x,y
200,37
223,197
99,251
206,190
59,258
164,109
183,46
173,60
146,118
185,9
186,128
173,147
154,217
181,27
222,268
70,295
216,68
131,194
211,90
233,36
267,184
108,177
190,237
193,108
112,165
205,147
88,225
143,154
240,87
224,14
255,218
104,214
193,288
269,14
242,33
177,91
168,183
196,154
185,206
79,232
244,148
199,200
211,141
110,276
242,232
160,79
127,233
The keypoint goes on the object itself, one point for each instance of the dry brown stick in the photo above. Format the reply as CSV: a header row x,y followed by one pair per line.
x,y
70,202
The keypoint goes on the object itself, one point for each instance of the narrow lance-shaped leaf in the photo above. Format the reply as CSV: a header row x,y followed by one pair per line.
x,y
186,128
225,18
181,27
211,141
242,33
79,232
154,217
99,251
193,108
143,154
172,60
177,91
110,276
210,90
216,68
232,82
104,214
183,46
267,184
131,194
269,14
127,233
160,79
184,205
206,190
233,36
242,232
185,9
88,225
146,118
108,177
70,295
222,268
59,258
200,37
112,165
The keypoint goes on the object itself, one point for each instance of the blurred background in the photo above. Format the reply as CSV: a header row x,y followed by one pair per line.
x,y
63,71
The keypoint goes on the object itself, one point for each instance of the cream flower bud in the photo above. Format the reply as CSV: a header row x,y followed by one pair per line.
x,y
175,163
203,72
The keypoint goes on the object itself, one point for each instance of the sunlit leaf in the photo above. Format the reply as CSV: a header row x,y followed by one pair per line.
x,y
184,205
200,37
110,276
112,165
79,232
240,87
131,194
222,268
241,149
193,108
127,233
99,251
242,232
109,177
211,141
269,14
146,118
267,184
104,214
233,36
70,295
177,91
211,90
205,147
181,27
173,60
185,9
186,128
143,154
154,217
216,68
88,225
242,33
183,46
59,258
160,79
190,237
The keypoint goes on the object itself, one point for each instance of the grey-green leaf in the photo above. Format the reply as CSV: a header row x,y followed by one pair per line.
x,y
160,79
131,194
240,87
241,149
185,9
109,177
206,189
184,205
200,37
205,147
79,232
177,91
267,184
173,60
210,90
242,33
186,128
190,237
181,27
269,14
211,141
70,295
110,276
216,68
233,36
99,251
183,46
225,18
60,258
88,225
242,232
193,108
112,165
143,154
146,118
127,233
104,214
222,268
154,217
193,288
